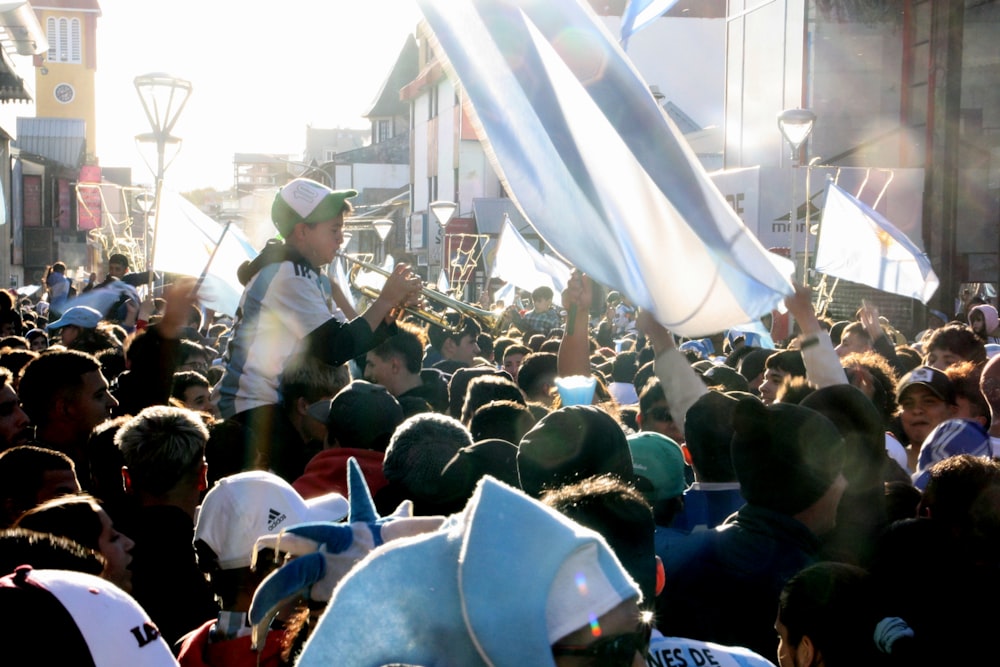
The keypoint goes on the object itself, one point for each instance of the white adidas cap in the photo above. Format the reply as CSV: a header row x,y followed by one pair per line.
x,y
242,507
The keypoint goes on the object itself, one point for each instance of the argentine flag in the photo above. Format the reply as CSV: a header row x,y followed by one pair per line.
x,y
857,243
592,162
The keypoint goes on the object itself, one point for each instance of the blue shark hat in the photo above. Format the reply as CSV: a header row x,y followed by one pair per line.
x,y
950,438
497,584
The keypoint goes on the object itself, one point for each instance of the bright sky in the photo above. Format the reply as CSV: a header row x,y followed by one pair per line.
x,y
261,72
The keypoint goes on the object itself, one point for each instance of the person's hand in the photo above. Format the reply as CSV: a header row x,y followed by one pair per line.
x,y
799,304
800,307
869,317
659,337
146,308
180,298
578,292
402,286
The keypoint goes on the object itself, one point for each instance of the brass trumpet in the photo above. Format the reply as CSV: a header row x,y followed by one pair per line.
x,y
488,320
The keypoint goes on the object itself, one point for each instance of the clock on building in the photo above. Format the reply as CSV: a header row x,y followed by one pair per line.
x,y
64,93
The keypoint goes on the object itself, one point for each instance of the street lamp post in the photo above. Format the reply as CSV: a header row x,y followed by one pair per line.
x,y
443,212
163,98
382,227
145,201
795,126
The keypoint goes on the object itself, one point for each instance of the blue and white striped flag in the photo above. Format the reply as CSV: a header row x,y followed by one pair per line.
x,y
185,244
640,13
523,265
592,162
857,243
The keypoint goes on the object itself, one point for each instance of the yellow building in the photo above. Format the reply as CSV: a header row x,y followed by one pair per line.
x,y
64,75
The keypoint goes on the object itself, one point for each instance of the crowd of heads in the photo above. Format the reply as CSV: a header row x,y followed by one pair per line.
x,y
658,488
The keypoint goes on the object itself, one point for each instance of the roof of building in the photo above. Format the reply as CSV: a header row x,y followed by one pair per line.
x,y
12,87
387,101
62,140
81,5
395,150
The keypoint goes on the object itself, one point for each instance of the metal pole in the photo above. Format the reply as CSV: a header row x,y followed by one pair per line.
x,y
793,222
805,262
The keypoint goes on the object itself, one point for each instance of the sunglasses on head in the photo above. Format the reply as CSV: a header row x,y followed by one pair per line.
x,y
615,651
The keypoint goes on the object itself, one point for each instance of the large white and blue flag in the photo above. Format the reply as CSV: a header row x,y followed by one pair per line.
x,y
186,244
526,267
857,243
592,162
640,13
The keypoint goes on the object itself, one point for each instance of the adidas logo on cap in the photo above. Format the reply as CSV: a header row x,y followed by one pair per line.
x,y
274,517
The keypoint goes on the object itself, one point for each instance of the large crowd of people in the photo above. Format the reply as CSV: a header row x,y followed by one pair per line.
x,y
569,484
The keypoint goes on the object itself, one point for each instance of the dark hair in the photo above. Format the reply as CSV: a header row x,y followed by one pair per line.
x,y
485,343
22,470
794,389
964,378
92,341
458,386
14,343
75,517
516,348
752,363
189,349
872,368
45,551
502,344
624,367
643,376
956,487
504,420
857,329
543,293
959,339
54,373
407,344
789,361
650,394
549,345
466,326
16,359
620,514
184,380
835,605
487,388
537,369
908,358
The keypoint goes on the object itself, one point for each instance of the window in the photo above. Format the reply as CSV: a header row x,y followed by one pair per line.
x,y
329,154
74,41
65,41
383,130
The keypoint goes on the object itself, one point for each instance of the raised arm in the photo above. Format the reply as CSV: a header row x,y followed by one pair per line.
x,y
574,348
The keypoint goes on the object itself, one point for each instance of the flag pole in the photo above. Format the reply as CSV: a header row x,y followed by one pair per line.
x,y
156,230
208,265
